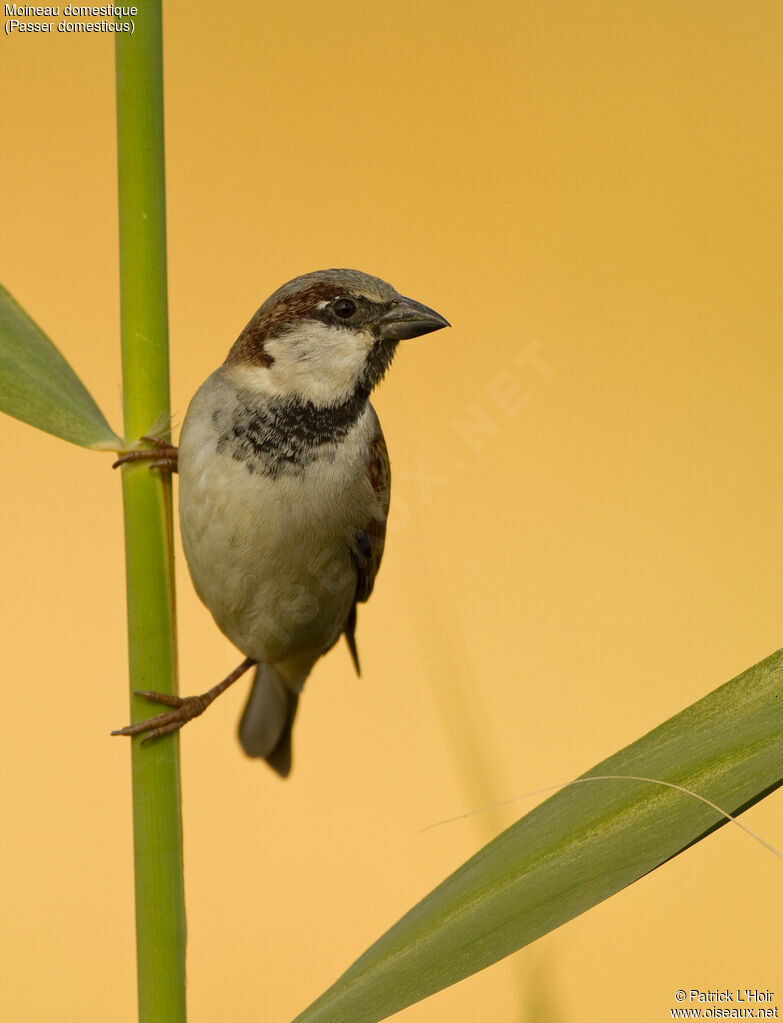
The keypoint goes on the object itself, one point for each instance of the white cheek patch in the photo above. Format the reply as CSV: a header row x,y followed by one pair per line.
x,y
317,362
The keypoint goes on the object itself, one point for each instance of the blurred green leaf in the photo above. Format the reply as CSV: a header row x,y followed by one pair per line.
x,y
39,387
577,848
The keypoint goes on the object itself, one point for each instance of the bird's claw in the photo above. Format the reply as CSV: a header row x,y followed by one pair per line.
x,y
162,455
185,709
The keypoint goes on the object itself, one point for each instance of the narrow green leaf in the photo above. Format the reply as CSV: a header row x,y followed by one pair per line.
x,y
39,387
577,848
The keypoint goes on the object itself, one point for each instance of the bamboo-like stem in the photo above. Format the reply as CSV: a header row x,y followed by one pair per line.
x,y
160,902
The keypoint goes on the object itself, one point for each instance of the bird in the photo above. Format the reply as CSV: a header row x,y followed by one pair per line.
x,y
284,491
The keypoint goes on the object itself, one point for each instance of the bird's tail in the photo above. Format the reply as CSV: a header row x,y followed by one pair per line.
x,y
268,717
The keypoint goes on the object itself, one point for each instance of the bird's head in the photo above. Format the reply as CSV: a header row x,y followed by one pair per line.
x,y
325,336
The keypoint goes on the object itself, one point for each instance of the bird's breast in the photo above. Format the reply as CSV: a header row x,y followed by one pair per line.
x,y
270,552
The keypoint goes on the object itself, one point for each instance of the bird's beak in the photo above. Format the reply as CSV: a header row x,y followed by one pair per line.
x,y
406,319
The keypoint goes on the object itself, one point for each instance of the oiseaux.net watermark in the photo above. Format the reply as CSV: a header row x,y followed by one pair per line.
x,y
725,1003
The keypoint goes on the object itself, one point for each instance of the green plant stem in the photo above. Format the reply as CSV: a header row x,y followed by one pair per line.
x,y
160,902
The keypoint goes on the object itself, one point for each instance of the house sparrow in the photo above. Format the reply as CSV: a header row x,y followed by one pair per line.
x,y
284,490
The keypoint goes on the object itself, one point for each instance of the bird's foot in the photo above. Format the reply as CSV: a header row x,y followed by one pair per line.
x,y
161,455
185,709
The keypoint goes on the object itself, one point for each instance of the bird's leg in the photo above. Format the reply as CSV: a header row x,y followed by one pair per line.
x,y
185,707
161,455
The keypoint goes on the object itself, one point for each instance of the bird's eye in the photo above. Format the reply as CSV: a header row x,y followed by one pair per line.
x,y
344,308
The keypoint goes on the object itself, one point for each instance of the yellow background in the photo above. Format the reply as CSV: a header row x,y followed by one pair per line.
x,y
602,178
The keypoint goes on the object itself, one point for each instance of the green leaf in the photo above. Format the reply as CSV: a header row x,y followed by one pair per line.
x,y
577,848
39,387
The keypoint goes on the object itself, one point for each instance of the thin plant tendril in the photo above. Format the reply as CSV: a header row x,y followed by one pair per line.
x,y
611,777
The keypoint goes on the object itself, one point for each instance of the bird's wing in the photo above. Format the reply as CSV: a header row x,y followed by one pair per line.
x,y
368,549
368,544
